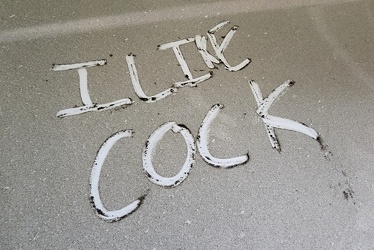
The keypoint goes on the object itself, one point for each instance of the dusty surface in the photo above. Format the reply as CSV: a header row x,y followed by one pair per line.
x,y
300,198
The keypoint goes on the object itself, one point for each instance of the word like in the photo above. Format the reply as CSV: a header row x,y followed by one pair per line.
x,y
201,45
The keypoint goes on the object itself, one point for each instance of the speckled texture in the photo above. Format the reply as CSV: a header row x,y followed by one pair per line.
x,y
301,198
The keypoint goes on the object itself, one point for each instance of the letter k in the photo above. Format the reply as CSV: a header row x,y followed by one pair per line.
x,y
272,122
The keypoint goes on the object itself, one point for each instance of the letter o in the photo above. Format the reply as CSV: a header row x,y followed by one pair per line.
x,y
155,137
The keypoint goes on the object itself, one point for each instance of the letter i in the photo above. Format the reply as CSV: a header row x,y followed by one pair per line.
x,y
192,82
88,105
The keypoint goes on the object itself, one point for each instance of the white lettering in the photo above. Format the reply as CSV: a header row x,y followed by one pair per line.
x,y
202,143
192,82
155,137
272,122
86,100
136,84
95,199
219,49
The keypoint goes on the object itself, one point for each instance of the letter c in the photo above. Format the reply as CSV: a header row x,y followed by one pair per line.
x,y
95,200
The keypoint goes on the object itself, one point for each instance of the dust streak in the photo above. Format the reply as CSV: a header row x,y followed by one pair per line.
x,y
179,13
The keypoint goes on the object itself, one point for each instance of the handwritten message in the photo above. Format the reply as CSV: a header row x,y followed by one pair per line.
x,y
194,147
